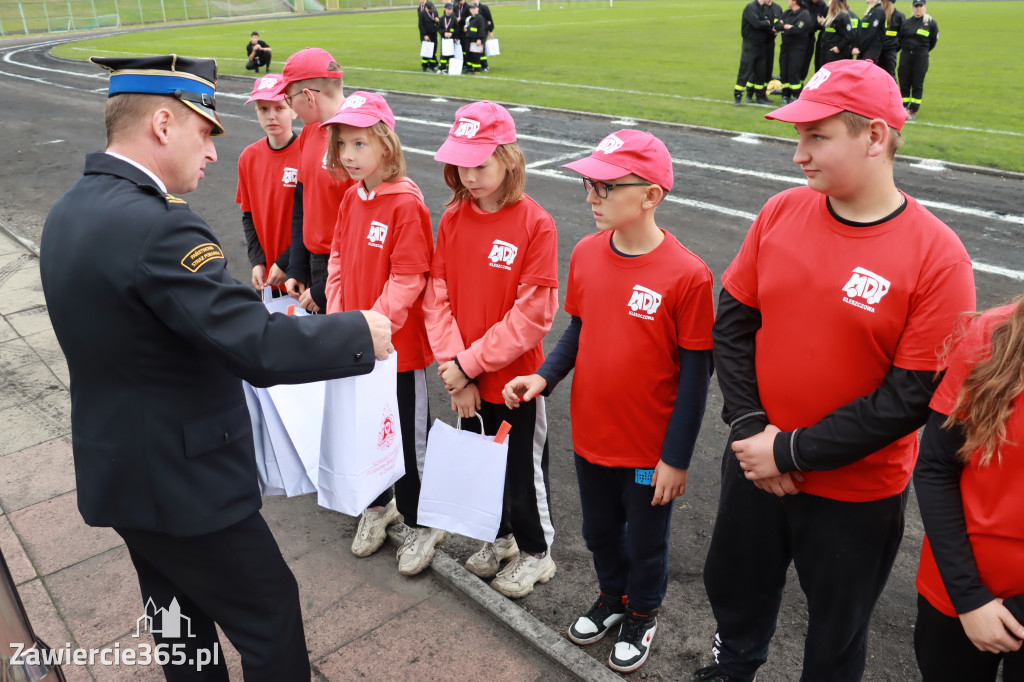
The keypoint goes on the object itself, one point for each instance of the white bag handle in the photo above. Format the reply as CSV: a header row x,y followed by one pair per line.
x,y
458,424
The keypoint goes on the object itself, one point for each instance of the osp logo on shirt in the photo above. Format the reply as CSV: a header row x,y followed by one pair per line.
x,y
609,144
502,255
866,285
378,233
644,302
290,177
466,127
352,102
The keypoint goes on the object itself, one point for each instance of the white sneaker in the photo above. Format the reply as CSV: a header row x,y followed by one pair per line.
x,y
418,549
373,528
516,580
486,562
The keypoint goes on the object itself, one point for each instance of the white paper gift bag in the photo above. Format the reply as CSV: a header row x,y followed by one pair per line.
x,y
455,66
475,48
463,482
491,47
293,414
361,444
426,49
267,472
447,47
281,304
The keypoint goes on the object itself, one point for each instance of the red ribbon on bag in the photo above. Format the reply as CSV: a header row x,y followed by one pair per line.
x,y
503,430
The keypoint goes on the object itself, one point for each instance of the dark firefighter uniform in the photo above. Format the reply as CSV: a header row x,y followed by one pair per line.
x,y
917,39
158,337
476,29
756,27
447,27
428,22
842,34
794,47
869,35
891,42
815,8
485,12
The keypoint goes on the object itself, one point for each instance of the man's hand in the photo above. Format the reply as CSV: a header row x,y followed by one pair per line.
x,y
467,401
380,331
306,301
668,483
294,287
523,389
259,276
781,485
453,378
993,628
276,277
757,455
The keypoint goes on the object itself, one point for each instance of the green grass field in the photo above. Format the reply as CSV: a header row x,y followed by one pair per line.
x,y
669,60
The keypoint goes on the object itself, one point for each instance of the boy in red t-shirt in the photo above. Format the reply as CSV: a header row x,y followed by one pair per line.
x,y
313,88
635,294
827,341
267,174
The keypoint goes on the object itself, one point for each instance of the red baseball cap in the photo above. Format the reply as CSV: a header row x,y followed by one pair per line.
x,y
269,88
624,152
478,130
309,63
851,85
362,110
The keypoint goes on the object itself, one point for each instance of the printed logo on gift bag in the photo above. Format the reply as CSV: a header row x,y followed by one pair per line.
x,y
386,434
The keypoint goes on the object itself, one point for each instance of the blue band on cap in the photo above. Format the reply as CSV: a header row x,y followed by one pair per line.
x,y
156,85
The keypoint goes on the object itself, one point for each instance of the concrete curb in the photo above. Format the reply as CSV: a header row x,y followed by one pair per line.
x,y
540,636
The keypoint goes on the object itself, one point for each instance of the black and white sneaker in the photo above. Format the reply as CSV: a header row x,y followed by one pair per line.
x,y
595,623
713,673
634,643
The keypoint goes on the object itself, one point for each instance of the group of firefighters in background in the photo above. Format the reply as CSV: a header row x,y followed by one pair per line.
x,y
469,24
828,30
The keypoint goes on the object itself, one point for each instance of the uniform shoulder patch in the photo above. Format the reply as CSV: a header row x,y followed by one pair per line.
x,y
171,199
200,256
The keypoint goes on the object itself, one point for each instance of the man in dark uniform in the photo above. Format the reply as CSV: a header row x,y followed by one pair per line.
x,y
476,34
258,52
485,12
918,36
757,28
158,337
817,9
447,27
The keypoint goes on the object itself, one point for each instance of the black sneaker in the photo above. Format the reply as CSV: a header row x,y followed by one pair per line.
x,y
634,642
737,99
713,673
595,623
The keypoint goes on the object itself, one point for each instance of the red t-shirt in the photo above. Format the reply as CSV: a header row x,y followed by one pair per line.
x,y
266,188
840,306
321,192
993,504
389,233
484,257
636,313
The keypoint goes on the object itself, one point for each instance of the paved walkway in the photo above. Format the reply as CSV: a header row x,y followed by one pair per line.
x,y
363,620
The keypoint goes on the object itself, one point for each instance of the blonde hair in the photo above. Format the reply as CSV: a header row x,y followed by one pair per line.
x,y
328,86
835,8
384,141
986,398
511,157
889,8
856,124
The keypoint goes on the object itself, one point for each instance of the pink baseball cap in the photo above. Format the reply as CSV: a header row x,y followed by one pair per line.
x,y
309,63
478,130
269,88
851,85
362,110
624,152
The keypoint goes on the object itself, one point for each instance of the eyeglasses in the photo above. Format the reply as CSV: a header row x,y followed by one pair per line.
x,y
603,188
288,99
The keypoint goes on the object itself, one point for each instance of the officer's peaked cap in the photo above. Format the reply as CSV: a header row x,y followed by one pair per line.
x,y
192,81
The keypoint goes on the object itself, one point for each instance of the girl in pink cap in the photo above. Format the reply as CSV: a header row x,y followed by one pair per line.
x,y
492,296
380,256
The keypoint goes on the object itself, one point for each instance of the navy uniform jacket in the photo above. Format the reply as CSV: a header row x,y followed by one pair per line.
x,y
158,337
